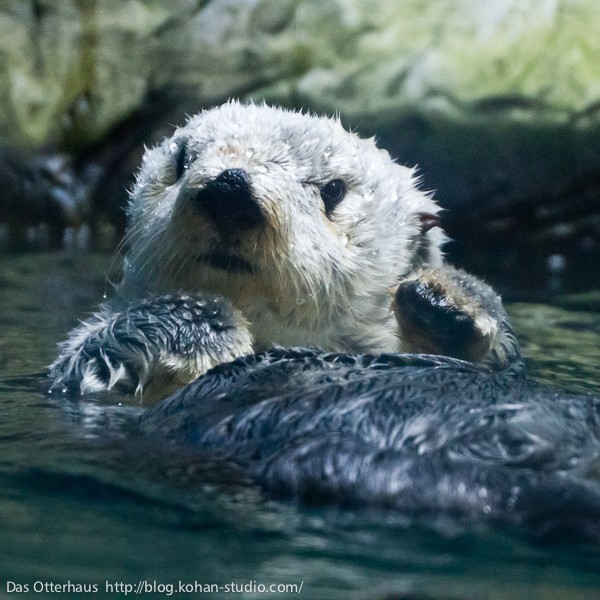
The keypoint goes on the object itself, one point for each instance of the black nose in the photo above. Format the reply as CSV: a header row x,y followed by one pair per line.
x,y
227,200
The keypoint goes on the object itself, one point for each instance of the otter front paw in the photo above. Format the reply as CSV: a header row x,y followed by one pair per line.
x,y
160,341
447,311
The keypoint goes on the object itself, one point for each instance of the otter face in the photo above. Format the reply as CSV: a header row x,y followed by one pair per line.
x,y
302,224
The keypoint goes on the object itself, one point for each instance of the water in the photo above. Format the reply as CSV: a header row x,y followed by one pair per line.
x,y
82,500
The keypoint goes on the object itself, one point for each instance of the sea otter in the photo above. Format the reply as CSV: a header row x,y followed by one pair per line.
x,y
257,226
253,226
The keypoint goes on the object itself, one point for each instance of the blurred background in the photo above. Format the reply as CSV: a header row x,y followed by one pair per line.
x,y
498,103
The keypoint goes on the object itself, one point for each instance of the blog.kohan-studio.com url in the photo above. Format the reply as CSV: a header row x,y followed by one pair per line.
x,y
198,587
154,587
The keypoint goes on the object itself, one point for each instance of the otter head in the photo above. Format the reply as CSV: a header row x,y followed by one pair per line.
x,y
301,224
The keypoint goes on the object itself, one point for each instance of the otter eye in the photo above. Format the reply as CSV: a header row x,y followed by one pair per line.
x,y
333,193
180,161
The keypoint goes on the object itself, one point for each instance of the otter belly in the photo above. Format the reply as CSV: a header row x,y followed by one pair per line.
x,y
270,328
418,434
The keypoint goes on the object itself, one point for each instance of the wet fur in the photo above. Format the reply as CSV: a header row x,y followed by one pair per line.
x,y
422,435
319,280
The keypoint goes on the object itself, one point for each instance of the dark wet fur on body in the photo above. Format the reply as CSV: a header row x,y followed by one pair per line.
x,y
422,435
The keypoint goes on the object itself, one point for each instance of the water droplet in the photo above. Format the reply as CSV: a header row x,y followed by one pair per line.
x,y
173,148
250,152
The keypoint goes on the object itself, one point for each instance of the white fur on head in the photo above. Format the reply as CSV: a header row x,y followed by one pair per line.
x,y
317,278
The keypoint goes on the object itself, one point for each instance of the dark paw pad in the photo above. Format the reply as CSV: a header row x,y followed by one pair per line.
x,y
436,317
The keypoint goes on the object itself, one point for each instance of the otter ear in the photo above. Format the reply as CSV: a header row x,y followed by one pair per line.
x,y
428,221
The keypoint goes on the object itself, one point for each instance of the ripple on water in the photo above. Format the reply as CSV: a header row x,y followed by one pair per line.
x,y
562,346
